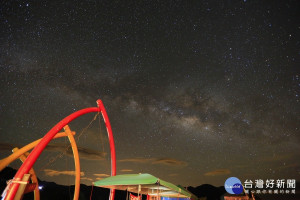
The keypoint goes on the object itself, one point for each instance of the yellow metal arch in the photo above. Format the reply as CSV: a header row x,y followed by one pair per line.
x,y
20,153
76,161
6,161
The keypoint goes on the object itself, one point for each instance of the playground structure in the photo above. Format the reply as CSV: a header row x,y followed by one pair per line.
x,y
147,184
22,154
16,187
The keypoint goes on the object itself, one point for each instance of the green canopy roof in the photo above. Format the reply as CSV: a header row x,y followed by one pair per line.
x,y
144,184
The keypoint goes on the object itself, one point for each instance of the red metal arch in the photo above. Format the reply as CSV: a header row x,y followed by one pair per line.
x,y
35,153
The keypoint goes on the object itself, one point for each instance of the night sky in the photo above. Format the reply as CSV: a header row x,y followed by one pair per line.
x,y
196,91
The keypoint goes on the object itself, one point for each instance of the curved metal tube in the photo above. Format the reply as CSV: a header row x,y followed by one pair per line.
x,y
33,175
6,161
22,154
111,144
27,165
76,161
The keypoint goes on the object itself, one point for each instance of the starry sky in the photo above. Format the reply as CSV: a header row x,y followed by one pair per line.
x,y
196,91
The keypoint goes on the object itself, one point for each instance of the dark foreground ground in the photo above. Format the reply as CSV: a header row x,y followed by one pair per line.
x,y
52,191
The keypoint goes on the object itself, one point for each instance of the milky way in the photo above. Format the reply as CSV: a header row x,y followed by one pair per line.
x,y
196,92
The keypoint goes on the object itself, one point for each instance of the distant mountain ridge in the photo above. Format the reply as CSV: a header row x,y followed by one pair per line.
x,y
53,191
208,191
